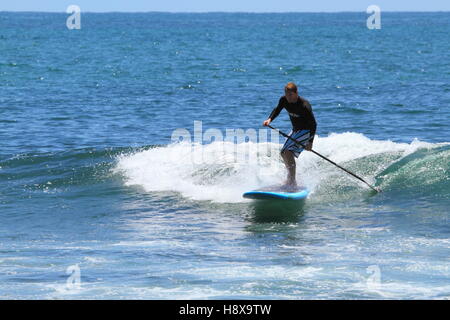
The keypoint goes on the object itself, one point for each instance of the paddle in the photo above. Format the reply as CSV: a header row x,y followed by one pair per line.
x,y
325,158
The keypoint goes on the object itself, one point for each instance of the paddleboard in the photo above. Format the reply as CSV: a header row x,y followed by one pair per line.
x,y
277,193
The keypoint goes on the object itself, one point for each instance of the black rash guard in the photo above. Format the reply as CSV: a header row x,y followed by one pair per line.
x,y
300,113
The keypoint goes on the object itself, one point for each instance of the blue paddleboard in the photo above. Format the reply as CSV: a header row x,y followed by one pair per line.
x,y
277,192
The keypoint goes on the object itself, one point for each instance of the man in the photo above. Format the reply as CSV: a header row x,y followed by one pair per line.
x,y
303,128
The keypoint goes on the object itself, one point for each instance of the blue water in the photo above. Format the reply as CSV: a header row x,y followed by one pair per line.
x,y
90,179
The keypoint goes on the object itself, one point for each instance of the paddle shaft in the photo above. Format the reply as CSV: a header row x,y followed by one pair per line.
x,y
325,158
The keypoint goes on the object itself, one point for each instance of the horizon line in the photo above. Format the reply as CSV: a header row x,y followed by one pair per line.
x,y
252,12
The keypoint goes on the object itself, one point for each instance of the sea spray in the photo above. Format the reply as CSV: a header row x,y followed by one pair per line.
x,y
226,171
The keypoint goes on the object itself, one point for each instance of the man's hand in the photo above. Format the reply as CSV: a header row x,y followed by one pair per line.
x,y
267,122
309,146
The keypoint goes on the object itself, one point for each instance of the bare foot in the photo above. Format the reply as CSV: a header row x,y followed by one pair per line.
x,y
290,185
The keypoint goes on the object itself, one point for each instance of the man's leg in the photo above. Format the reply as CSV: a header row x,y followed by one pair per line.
x,y
289,162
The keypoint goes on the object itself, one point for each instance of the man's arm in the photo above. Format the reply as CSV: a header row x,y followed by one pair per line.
x,y
275,112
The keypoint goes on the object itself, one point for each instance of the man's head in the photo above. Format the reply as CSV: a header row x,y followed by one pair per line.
x,y
290,91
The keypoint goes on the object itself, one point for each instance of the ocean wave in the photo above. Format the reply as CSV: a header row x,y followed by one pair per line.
x,y
56,171
222,171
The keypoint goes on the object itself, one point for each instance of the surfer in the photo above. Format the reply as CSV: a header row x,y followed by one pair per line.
x,y
303,128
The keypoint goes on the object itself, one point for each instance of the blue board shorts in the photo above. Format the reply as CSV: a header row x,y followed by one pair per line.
x,y
302,136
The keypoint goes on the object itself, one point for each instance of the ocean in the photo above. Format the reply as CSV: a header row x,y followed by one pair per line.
x,y
100,198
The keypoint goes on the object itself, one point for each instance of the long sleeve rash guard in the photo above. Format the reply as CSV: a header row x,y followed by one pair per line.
x,y
300,113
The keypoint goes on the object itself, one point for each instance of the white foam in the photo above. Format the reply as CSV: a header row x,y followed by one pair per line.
x,y
222,171
401,290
